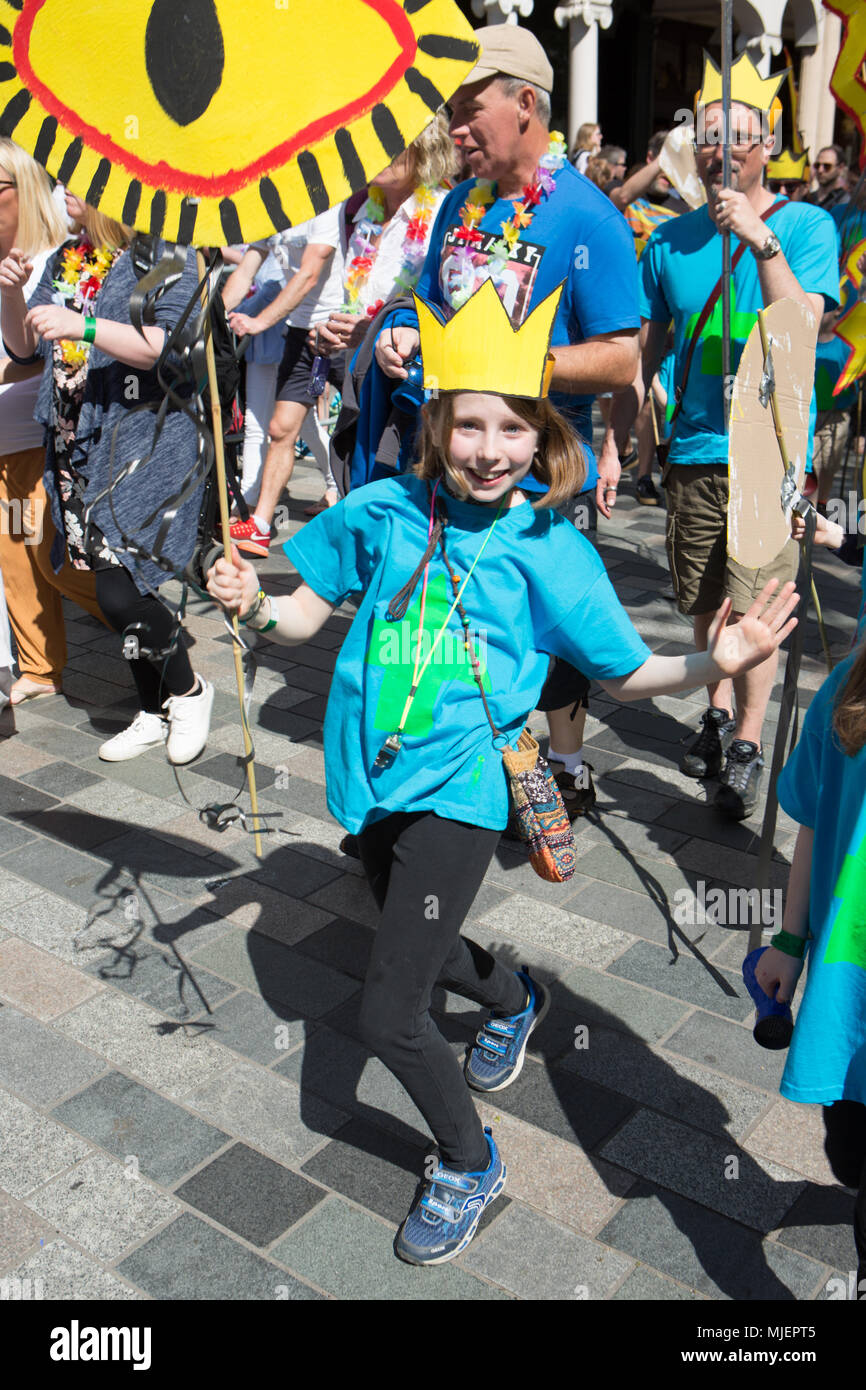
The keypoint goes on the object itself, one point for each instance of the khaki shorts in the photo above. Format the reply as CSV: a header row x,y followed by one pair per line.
x,y
703,574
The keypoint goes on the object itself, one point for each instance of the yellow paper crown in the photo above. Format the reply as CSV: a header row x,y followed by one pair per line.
x,y
789,166
747,86
479,349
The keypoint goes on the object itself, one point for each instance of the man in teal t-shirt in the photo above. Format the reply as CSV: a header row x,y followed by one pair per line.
x,y
790,255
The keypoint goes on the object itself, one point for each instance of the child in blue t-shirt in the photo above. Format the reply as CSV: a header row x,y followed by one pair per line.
x,y
465,582
823,786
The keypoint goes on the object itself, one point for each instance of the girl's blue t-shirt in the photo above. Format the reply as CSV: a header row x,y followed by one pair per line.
x,y
539,588
821,787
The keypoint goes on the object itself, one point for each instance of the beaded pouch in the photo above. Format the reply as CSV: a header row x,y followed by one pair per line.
x,y
539,809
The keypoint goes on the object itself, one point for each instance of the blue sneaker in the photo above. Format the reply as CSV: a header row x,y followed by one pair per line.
x,y
497,1057
445,1217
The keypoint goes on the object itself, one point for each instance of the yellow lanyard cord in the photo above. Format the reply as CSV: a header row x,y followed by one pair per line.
x,y
417,675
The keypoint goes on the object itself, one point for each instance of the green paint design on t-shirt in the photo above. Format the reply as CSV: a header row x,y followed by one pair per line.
x,y
393,647
711,333
847,943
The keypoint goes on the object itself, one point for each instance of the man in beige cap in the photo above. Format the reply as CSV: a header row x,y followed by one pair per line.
x,y
568,231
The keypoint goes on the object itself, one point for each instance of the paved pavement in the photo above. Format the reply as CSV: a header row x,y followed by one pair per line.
x,y
186,1110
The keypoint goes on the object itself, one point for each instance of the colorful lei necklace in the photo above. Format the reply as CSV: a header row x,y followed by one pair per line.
x,y
362,252
483,195
83,267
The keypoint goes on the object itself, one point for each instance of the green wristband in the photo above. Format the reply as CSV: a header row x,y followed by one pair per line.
x,y
789,944
89,330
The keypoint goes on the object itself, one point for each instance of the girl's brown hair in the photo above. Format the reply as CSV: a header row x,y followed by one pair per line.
x,y
560,460
849,716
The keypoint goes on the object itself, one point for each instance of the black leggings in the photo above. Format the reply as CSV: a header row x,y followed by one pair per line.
x,y
845,1146
424,872
122,604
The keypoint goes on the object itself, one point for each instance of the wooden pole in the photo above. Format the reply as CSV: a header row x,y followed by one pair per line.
x,y
222,492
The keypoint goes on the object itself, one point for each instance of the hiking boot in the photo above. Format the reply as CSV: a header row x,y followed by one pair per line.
x,y
576,789
703,757
445,1217
740,781
249,539
646,492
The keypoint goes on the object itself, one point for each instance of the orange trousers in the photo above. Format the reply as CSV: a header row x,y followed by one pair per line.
x,y
33,590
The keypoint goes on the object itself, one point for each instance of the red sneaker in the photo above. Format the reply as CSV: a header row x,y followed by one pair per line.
x,y
249,539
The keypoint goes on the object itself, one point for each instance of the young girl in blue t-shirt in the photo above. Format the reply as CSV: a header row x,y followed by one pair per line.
x,y
457,548
823,786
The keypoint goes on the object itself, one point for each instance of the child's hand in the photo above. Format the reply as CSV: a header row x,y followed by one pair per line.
x,y
777,974
740,646
828,533
233,583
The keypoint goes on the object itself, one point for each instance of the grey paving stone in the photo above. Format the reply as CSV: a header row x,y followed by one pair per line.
x,y
720,862
564,1105
166,982
37,1064
299,794
647,914
20,1230
649,840
192,1260
126,1118
279,973
63,871
646,1285
342,1072
162,862
591,996
636,872
102,1207
539,1259
657,725
713,1171
80,828
251,1195
542,924
66,1275
222,767
705,822
678,1088
60,779
34,1149
371,1167
820,1224
350,1254
720,991
706,1251
246,902
56,925
729,1048
623,744
295,874
348,897
250,1025
13,836
343,945
267,1111
166,1055
19,801
511,871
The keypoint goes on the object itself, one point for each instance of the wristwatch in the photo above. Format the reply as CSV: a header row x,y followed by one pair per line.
x,y
771,247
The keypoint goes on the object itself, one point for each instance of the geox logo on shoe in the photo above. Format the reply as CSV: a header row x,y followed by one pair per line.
x,y
75,1343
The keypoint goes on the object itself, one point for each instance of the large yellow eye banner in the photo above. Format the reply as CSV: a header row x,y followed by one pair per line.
x,y
213,121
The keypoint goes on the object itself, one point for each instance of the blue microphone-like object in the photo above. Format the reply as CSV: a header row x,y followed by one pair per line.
x,y
775,1022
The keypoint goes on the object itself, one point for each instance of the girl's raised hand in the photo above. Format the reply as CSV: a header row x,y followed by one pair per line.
x,y
233,583
740,646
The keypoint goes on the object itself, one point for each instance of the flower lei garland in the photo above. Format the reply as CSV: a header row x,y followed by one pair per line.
x,y
360,266
483,195
83,267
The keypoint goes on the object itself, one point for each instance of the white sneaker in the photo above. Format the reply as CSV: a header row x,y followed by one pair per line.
x,y
189,723
145,731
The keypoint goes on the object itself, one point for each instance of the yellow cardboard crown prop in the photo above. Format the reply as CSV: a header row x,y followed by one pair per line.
x,y
789,166
479,349
747,86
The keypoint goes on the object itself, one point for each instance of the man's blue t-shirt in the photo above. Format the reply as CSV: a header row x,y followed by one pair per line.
x,y
679,269
820,786
538,588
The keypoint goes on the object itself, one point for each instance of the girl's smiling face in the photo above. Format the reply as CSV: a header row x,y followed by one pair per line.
x,y
490,447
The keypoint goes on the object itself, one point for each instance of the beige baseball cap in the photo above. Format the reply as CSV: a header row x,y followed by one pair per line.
x,y
509,51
